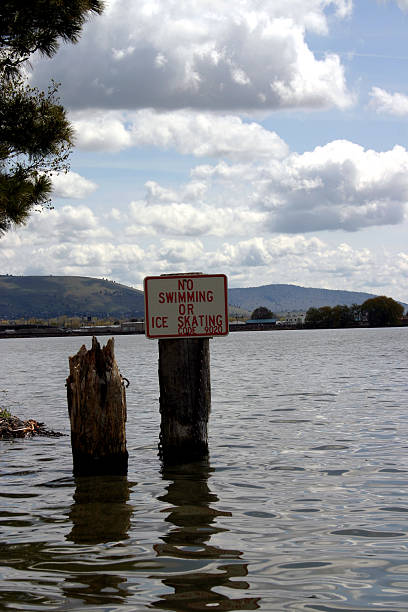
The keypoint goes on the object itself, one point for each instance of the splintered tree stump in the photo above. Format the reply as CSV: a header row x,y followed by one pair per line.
x,y
185,398
97,411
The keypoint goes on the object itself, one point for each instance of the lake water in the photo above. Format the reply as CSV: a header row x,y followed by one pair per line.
x,y
303,504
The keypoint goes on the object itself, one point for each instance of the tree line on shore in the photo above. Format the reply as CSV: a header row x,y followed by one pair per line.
x,y
379,311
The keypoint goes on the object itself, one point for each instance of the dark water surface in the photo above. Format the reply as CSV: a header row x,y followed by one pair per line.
x,y
303,504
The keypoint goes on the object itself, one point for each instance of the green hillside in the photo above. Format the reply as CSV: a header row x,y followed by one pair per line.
x,y
292,298
52,296
45,297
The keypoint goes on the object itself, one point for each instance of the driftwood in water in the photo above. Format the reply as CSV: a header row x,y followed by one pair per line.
x,y
97,411
13,427
185,398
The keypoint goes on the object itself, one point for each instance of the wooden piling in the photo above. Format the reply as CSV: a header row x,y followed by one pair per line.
x,y
185,398
97,411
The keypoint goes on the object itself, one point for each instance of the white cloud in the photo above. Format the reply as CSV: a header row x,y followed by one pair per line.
x,y
72,185
180,252
45,248
259,252
206,134
403,4
306,261
67,224
344,8
226,172
200,54
193,191
186,219
114,214
97,131
170,76
338,186
97,256
389,103
187,132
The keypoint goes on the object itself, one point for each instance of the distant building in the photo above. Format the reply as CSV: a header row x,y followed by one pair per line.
x,y
260,322
133,326
294,319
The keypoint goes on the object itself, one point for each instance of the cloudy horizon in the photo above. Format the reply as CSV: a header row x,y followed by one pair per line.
x,y
269,144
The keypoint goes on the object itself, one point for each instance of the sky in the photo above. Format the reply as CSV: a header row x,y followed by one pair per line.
x,y
262,139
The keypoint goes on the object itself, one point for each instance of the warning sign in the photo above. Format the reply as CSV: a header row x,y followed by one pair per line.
x,y
186,305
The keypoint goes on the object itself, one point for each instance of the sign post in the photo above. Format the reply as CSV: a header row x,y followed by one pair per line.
x,y
186,305
183,311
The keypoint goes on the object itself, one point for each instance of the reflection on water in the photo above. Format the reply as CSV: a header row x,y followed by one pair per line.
x,y
100,512
193,523
96,589
303,509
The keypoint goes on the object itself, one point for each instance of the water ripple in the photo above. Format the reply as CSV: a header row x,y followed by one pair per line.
x,y
288,514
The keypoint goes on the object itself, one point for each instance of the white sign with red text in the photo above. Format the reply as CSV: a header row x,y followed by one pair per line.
x,y
186,305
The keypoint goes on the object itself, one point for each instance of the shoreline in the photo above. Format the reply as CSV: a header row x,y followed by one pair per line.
x,y
115,331
68,334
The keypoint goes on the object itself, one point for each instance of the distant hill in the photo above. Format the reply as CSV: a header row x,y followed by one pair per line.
x,y
51,296
292,298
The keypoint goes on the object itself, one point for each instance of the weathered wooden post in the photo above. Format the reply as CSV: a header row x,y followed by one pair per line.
x,y
183,311
185,398
97,411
